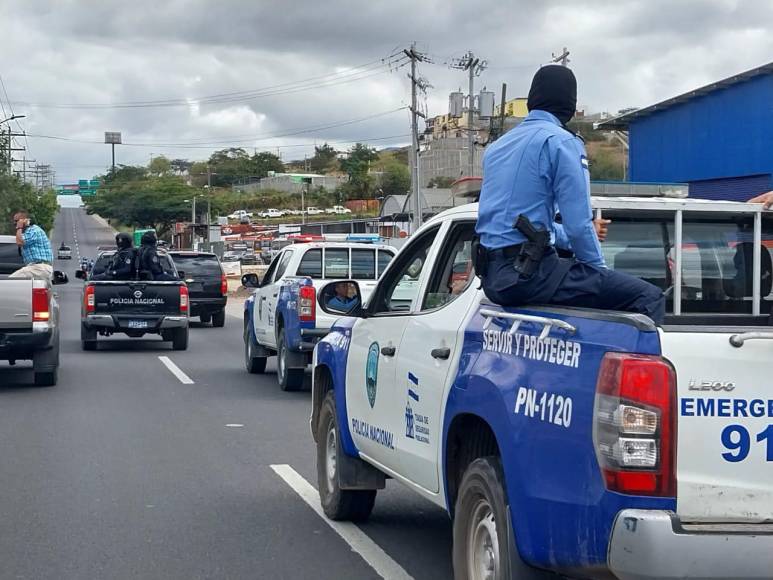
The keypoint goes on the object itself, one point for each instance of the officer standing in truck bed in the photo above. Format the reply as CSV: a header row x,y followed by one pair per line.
x,y
532,173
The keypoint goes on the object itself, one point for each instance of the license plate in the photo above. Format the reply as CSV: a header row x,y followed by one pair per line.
x,y
138,324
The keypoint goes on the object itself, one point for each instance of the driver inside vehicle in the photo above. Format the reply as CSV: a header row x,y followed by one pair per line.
x,y
345,299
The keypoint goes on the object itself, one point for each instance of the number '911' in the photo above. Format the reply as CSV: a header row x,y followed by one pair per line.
x,y
738,441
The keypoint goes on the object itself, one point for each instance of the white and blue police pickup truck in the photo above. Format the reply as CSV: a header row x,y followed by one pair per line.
x,y
281,317
565,441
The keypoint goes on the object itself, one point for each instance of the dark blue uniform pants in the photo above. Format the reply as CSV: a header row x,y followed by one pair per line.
x,y
567,282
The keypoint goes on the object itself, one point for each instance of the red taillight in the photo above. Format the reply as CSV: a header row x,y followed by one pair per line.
x,y
223,285
88,299
307,304
183,298
634,427
40,312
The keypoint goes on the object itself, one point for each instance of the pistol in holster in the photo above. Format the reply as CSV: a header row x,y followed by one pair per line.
x,y
479,257
532,250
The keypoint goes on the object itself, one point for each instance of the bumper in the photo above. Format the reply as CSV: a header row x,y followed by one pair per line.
x,y
649,545
207,305
121,323
20,343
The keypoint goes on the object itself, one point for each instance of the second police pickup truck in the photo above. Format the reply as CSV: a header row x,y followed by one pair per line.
x,y
281,317
567,441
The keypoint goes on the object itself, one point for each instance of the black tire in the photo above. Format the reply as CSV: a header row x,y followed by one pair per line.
x,y
218,319
88,338
180,339
46,379
337,503
289,379
481,492
255,365
205,318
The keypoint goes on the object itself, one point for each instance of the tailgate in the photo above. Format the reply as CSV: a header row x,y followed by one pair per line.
x,y
725,430
137,298
15,304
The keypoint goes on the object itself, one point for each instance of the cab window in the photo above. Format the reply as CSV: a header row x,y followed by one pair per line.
x,y
363,264
397,290
311,264
336,263
283,263
453,272
384,257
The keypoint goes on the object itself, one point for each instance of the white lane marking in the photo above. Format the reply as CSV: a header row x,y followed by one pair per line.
x,y
175,370
358,540
234,425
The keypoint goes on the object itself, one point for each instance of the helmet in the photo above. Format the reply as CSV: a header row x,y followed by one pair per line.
x,y
123,241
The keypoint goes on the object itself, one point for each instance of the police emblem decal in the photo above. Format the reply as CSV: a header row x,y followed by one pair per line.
x,y
138,294
371,373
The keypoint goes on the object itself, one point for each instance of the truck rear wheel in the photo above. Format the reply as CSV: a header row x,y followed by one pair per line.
x,y
88,338
481,525
289,379
218,319
206,317
46,379
337,503
180,339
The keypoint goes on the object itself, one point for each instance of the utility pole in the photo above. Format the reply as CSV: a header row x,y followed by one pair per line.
x,y
474,66
562,59
416,85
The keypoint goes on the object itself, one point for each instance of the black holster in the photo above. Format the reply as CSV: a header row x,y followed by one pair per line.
x,y
532,250
479,257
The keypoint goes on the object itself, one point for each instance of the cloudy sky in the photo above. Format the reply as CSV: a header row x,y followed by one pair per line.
x,y
183,78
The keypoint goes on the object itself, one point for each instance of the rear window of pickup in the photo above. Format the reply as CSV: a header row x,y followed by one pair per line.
x,y
342,263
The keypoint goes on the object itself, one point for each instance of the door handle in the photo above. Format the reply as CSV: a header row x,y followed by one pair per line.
x,y
441,353
388,350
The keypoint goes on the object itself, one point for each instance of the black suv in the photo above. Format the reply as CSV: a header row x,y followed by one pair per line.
x,y
207,284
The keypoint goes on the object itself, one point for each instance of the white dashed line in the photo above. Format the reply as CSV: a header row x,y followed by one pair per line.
x,y
175,370
358,540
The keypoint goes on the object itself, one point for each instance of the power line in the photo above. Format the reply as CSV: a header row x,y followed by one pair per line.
x,y
388,64
211,144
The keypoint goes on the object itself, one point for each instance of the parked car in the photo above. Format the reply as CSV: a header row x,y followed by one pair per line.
x,y
231,264
64,253
282,318
133,307
29,317
338,210
207,285
239,214
271,213
311,210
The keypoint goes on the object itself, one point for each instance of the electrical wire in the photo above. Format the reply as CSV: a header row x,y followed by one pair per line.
x,y
388,64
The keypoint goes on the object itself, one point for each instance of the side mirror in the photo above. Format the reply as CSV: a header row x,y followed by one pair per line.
x,y
59,277
250,280
343,298
79,274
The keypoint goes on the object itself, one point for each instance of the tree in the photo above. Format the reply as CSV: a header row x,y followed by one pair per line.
x,y
231,166
16,195
324,159
356,165
264,162
441,182
160,166
396,179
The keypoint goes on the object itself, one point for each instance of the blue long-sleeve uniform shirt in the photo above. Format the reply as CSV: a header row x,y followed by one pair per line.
x,y
538,169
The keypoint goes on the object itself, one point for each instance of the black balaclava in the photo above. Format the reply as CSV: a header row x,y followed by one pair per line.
x,y
123,241
554,89
148,239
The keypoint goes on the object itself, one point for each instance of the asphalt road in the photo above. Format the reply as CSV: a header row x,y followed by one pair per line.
x,y
123,471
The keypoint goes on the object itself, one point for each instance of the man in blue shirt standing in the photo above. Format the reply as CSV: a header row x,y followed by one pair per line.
x,y
531,174
35,249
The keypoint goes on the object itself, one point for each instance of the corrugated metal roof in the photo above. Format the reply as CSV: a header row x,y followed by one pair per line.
x,y
623,121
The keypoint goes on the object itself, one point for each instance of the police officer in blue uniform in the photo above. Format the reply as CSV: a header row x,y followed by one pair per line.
x,y
531,174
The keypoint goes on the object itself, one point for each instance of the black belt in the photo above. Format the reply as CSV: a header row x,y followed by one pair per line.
x,y
508,252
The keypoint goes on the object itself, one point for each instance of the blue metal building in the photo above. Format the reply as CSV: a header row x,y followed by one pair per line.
x,y
718,138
